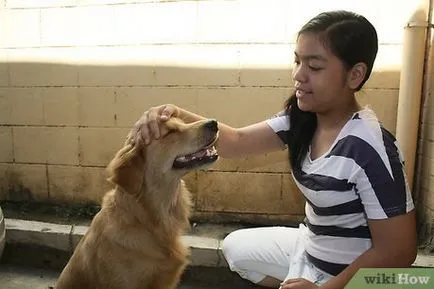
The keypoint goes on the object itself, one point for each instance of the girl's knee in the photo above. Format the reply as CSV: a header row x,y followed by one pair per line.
x,y
235,253
231,244
246,254
239,246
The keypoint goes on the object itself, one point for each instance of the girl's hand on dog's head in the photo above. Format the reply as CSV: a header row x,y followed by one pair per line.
x,y
168,111
148,123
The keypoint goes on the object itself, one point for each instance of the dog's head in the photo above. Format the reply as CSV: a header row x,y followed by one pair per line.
x,y
180,149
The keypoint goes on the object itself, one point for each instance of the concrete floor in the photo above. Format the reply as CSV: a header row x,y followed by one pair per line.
x,y
26,266
12,277
20,277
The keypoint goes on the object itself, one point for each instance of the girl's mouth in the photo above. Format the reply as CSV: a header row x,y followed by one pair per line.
x,y
301,93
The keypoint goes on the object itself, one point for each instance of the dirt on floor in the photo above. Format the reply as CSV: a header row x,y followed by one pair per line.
x,y
49,212
82,215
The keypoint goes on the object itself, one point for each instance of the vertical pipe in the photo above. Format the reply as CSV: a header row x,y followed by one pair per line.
x,y
410,86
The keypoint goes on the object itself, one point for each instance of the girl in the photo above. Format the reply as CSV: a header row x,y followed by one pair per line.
x,y
359,210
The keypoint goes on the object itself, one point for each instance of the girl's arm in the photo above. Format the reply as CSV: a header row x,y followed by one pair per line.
x,y
233,142
394,245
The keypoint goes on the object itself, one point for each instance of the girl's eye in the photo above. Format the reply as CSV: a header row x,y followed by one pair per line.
x,y
313,68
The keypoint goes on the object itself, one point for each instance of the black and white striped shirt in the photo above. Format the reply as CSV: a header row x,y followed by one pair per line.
x,y
360,177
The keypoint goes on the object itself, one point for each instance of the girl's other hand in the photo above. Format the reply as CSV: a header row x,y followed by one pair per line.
x,y
299,283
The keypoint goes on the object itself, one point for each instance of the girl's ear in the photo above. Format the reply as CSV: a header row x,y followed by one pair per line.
x,y
356,75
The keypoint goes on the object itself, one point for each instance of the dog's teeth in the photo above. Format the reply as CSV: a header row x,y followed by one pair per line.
x,y
211,151
198,155
185,158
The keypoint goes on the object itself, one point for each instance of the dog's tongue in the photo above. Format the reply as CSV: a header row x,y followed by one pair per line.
x,y
205,156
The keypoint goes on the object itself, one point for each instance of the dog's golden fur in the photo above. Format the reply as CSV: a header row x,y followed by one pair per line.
x,y
135,240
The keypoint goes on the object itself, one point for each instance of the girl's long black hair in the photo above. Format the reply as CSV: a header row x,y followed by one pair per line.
x,y
302,128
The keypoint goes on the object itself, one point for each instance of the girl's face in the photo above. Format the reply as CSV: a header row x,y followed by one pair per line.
x,y
320,77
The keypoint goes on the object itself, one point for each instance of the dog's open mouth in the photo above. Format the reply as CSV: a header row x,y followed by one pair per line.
x,y
204,156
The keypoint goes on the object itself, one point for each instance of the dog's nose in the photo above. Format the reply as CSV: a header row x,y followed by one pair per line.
x,y
211,125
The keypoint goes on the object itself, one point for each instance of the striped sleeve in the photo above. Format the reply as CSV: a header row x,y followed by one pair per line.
x,y
280,125
381,181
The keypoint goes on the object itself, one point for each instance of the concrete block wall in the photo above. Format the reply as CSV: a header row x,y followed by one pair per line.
x,y
76,74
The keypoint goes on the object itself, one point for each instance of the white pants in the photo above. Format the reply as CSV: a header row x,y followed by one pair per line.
x,y
271,251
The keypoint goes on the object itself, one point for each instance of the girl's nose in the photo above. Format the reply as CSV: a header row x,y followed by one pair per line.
x,y
299,74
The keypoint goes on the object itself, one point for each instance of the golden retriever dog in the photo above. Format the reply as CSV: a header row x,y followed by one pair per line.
x,y
134,242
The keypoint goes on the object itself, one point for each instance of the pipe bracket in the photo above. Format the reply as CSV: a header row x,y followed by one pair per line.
x,y
416,24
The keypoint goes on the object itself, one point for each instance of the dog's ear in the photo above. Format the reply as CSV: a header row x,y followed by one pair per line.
x,y
126,170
